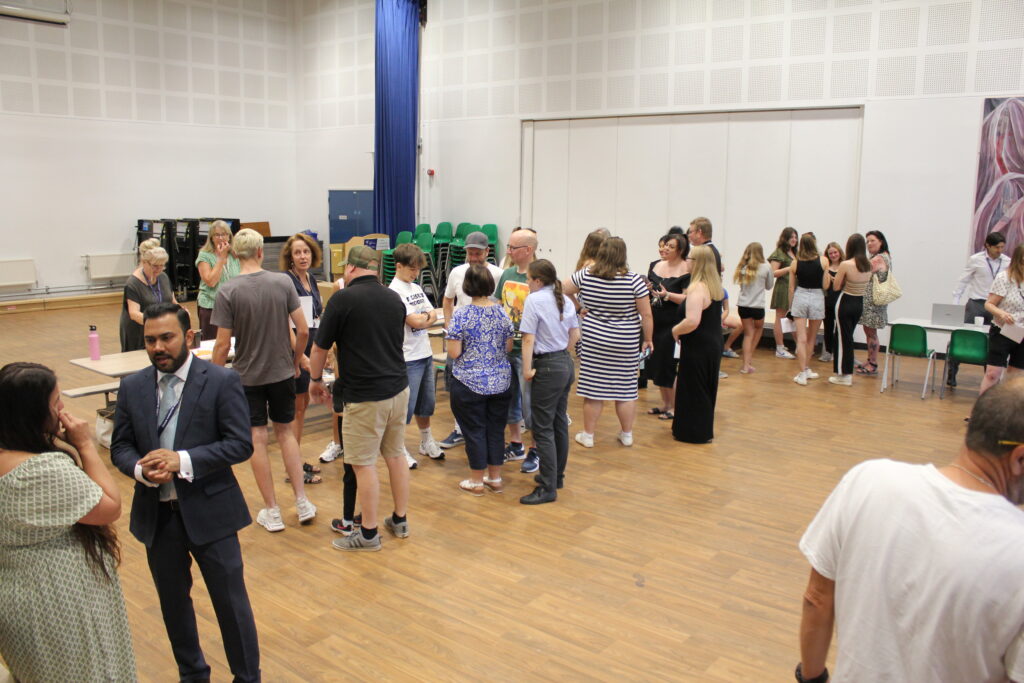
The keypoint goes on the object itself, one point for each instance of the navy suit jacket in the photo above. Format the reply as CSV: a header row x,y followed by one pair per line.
x,y
213,426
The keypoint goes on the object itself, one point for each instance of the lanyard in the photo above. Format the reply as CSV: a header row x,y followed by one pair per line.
x,y
988,262
157,291
170,413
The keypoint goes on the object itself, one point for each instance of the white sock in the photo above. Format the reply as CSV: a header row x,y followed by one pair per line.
x,y
425,436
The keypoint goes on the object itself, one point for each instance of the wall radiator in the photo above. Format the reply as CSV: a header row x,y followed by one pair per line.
x,y
20,273
110,266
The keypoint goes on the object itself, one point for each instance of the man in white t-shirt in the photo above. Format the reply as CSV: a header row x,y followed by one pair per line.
x,y
454,299
419,356
919,568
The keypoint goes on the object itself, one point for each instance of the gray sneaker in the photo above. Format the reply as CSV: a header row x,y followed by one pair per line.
x,y
399,530
357,542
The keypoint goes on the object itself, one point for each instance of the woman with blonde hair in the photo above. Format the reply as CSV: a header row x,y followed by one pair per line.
x,y
216,265
835,256
148,284
700,354
806,279
1006,305
617,328
754,277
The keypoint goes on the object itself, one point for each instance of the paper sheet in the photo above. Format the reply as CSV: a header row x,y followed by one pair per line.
x,y
1014,332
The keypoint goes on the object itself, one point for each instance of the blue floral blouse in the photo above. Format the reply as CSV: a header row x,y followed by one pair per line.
x,y
483,366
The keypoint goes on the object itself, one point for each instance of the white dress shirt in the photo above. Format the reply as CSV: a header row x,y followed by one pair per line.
x,y
979,274
185,470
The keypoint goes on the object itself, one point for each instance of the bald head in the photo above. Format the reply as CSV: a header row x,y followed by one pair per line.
x,y
522,245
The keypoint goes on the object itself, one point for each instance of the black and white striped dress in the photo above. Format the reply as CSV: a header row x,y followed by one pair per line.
x,y
610,355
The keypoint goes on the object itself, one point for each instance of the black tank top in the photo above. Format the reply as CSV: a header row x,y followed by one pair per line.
x,y
809,274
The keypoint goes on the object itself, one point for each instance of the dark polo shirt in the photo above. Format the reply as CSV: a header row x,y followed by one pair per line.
x,y
367,322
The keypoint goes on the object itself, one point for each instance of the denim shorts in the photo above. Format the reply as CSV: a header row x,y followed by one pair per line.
x,y
421,387
808,303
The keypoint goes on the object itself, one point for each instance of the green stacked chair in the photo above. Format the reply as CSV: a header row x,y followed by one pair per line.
x,y
428,276
457,249
968,347
491,230
387,271
908,340
421,228
404,237
442,238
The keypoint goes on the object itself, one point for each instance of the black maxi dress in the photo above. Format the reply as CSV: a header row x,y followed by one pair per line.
x,y
700,357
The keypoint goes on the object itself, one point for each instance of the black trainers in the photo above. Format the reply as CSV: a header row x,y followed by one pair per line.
x,y
561,481
539,497
532,462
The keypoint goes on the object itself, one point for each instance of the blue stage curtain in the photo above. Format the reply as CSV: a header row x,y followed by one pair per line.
x,y
397,98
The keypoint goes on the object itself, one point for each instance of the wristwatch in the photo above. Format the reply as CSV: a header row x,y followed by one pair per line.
x,y
317,379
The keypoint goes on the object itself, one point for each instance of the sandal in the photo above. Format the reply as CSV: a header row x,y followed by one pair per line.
x,y
306,467
495,485
471,487
656,411
666,415
307,478
867,369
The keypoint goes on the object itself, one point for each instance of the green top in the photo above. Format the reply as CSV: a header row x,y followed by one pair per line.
x,y
208,294
512,291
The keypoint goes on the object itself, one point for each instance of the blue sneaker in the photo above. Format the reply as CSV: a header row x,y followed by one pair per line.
x,y
453,439
514,451
532,462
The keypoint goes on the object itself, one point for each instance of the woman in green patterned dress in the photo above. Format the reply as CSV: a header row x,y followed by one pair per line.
x,y
62,614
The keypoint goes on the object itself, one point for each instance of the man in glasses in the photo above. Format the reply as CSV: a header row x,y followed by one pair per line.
x,y
918,567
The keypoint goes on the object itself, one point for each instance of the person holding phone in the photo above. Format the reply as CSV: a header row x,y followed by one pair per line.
x,y
668,279
58,577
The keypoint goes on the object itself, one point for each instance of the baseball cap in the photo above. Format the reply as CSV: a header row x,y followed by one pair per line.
x,y
476,240
362,256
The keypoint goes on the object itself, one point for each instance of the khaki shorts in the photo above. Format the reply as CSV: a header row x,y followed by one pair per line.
x,y
374,427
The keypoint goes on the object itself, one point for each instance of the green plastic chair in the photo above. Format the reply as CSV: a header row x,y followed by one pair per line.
x,y
404,237
422,228
968,347
491,230
443,234
908,340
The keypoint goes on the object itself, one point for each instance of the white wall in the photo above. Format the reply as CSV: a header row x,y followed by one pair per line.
x,y
331,159
73,187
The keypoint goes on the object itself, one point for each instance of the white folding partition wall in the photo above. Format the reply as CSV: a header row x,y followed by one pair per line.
x,y
751,173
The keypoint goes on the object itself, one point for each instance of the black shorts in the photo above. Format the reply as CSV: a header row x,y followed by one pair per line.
x,y
1003,349
747,313
336,391
279,397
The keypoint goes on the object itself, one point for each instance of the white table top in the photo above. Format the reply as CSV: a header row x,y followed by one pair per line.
x,y
128,362
929,325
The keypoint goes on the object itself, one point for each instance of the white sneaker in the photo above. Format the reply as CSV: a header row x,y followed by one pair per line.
x,y
331,453
411,460
842,380
626,438
306,510
270,519
800,379
825,357
722,375
431,450
811,374
584,439
782,352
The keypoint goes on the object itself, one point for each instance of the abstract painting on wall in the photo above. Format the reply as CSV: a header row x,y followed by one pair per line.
x,y
999,198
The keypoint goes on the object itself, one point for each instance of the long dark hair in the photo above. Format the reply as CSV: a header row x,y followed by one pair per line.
x,y
27,425
857,249
783,243
682,243
544,270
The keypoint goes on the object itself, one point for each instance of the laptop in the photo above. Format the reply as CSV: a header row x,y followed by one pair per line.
x,y
948,314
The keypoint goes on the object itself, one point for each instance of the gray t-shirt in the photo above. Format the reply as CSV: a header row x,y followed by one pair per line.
x,y
255,307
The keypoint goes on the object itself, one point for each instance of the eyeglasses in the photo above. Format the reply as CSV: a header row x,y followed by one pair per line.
x,y
1003,442
509,247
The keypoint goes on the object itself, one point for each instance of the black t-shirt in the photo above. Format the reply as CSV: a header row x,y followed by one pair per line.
x,y
718,257
367,322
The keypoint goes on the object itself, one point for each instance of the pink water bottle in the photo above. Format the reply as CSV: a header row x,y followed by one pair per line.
x,y
94,343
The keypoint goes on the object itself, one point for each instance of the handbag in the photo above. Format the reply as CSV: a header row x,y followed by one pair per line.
x,y
884,292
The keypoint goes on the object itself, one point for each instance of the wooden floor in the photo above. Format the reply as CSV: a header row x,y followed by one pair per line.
x,y
663,561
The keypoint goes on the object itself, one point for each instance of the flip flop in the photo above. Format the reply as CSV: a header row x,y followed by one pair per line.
x,y
656,411
306,467
666,415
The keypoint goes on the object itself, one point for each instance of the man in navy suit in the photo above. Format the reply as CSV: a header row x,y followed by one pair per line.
x,y
179,428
